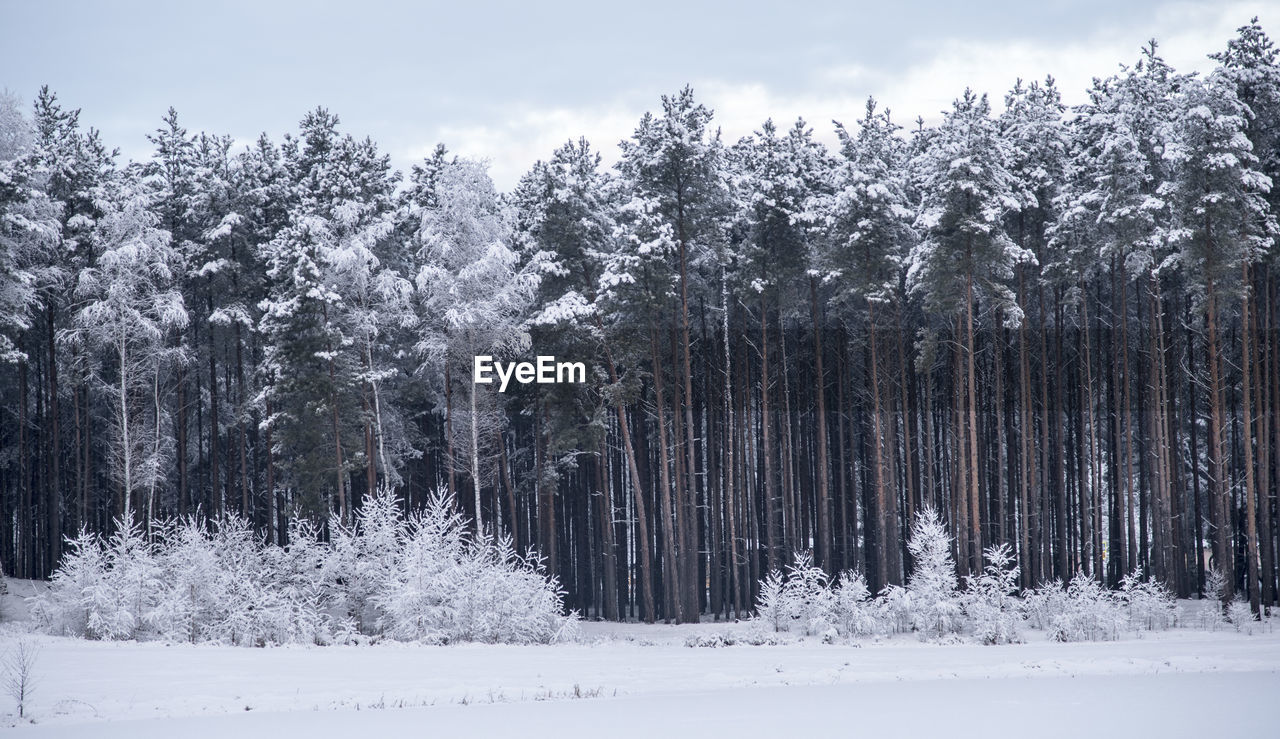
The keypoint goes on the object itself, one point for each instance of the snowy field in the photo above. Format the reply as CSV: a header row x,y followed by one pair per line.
x,y
639,680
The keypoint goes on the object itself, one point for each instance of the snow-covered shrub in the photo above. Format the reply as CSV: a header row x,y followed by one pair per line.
x,y
801,601
363,556
1040,605
302,598
713,640
990,601
506,598
852,607
103,590
1149,604
416,600
935,606
193,600
422,578
1087,612
894,613
809,601
446,585
136,581
1210,610
771,605
252,614
1241,615
77,597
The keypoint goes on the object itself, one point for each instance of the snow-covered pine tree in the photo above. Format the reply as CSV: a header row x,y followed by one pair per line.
x,y
129,306
1224,225
773,174
935,605
990,598
28,228
672,166
566,228
965,261
73,600
1149,604
1211,601
363,556
771,602
807,596
870,233
854,611
316,317
471,294
72,169
1252,62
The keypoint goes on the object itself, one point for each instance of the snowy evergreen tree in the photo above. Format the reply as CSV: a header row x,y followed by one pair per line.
x,y
854,612
471,292
868,241
990,599
28,229
770,602
1149,604
935,605
965,259
807,596
318,318
129,307
1252,62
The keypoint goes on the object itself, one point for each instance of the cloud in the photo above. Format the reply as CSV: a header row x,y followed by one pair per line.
x,y
528,134
1187,33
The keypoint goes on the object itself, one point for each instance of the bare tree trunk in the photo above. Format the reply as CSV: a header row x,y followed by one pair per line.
x,y
823,502
215,485
184,484
729,442
772,528
882,495
126,456
1219,492
1250,491
277,505
475,458
22,567
339,473
670,566
637,490
975,523
240,416
1025,435
54,503
448,428
509,489
1129,492
909,456
608,549
790,531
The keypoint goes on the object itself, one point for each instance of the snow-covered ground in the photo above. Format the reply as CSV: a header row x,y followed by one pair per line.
x,y
638,680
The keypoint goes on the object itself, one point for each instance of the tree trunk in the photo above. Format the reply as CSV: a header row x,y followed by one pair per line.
x,y
1246,404
53,534
823,502
1219,493
670,565
882,495
975,524
772,514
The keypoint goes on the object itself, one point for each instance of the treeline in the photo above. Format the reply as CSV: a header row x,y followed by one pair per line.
x,y
1057,326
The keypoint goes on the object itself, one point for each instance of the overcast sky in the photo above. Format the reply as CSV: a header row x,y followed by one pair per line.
x,y
509,81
